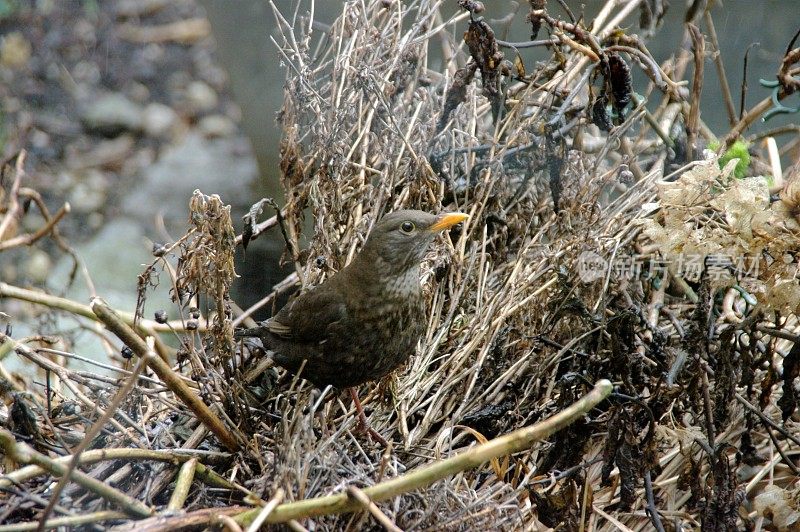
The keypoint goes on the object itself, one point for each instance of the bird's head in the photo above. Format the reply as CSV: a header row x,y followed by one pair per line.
x,y
400,239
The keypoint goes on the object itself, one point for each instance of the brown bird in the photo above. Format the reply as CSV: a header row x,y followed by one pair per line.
x,y
366,320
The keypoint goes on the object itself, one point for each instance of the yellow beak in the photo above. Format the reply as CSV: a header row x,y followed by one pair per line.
x,y
447,220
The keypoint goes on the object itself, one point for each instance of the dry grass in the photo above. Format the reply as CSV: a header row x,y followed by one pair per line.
x,y
515,334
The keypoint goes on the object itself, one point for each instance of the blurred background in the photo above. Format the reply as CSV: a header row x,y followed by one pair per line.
x,y
127,106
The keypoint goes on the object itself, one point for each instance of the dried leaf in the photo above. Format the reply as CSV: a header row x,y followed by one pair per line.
x,y
780,506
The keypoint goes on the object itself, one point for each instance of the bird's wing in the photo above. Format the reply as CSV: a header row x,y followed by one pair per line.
x,y
307,318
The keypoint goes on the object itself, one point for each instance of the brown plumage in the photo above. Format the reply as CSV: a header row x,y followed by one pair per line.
x,y
366,320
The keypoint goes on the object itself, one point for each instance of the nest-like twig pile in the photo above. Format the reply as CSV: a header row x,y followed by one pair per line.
x,y
586,207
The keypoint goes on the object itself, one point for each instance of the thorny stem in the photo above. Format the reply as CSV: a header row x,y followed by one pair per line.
x,y
743,89
97,455
698,49
69,521
723,78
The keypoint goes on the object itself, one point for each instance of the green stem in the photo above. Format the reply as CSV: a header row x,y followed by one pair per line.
x,y
69,521
425,476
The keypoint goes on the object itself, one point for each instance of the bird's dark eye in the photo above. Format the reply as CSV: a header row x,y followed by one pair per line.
x,y
407,227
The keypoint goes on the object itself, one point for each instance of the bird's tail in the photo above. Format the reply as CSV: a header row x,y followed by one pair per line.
x,y
257,332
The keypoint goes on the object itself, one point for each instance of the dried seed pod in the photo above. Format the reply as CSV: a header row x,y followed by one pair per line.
x,y
483,47
160,316
600,116
159,249
22,419
619,77
65,409
625,176
457,93
472,6
535,19
484,50
555,165
519,65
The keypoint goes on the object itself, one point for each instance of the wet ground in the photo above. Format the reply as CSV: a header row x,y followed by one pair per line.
x,y
124,110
